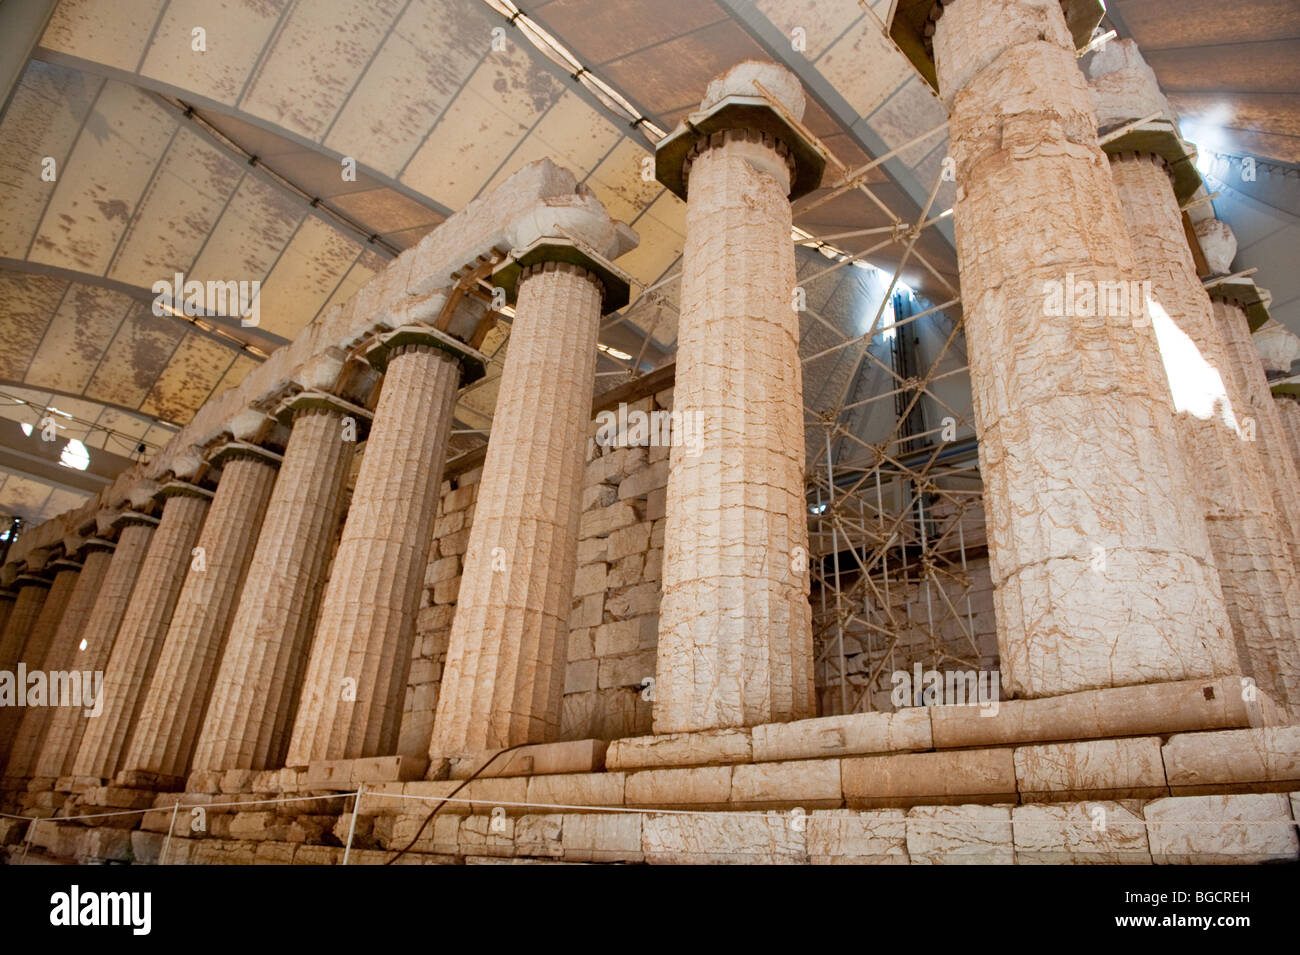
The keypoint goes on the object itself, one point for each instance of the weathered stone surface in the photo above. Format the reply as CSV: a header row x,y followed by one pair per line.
x,y
1098,833
963,776
1077,448
848,837
140,637
724,839
1200,763
171,714
1094,769
1243,829
542,835
735,633
503,682
960,835
1116,711
256,689
859,733
710,747
602,837
1248,538
696,787
366,630
808,784
577,756
576,790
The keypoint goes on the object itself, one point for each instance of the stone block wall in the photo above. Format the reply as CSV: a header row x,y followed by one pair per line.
x,y
614,618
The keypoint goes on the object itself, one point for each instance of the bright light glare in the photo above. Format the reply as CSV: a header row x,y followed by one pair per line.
x,y
75,456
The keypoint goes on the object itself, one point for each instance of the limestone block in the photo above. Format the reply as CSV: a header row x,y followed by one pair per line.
x,y
680,749
606,520
582,645
628,670
633,539
960,835
577,790
478,795
944,778
620,636
578,756
588,611
634,602
696,787
107,844
598,495
1202,763
724,839
1083,833
438,836
858,733
1221,830
146,847
641,483
486,836
626,571
1094,769
808,784
592,550
602,837
580,677
848,837
1218,245
542,835
589,580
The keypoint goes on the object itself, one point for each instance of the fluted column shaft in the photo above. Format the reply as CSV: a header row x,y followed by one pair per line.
x,y
503,682
257,687
735,630
37,644
1246,534
6,608
1288,409
172,712
27,607
1251,384
60,657
140,636
67,724
1102,573
352,695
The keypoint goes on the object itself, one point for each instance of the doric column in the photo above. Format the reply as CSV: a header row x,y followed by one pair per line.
x,y
352,694
37,644
735,630
61,657
503,681
63,736
31,593
257,687
1288,409
1248,539
1102,573
1239,308
144,627
172,712
6,607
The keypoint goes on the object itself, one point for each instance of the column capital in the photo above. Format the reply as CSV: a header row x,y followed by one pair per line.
x,y
912,24
735,104
227,450
176,488
308,400
1246,295
29,580
64,563
124,518
614,282
379,349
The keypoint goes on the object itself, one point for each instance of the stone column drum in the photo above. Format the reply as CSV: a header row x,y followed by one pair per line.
x,y
735,631
256,690
38,641
351,703
503,681
1102,572
144,627
67,724
172,712
62,656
